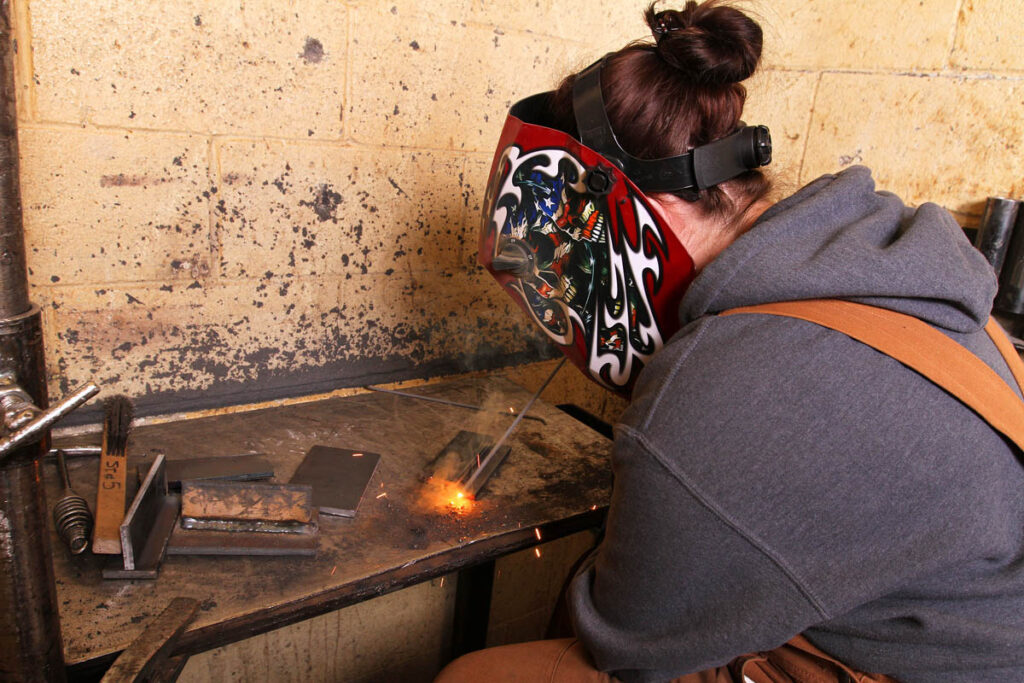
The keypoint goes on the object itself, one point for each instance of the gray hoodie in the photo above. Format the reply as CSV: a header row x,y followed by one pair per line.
x,y
773,477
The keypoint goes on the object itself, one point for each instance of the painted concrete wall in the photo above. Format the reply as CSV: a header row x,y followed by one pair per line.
x,y
229,201
233,201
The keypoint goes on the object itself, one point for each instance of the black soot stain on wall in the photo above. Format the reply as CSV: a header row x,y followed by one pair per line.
x,y
324,203
312,51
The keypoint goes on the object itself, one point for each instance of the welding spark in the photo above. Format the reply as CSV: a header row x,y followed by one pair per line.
x,y
383,495
593,507
536,552
447,495
461,502
334,569
357,455
537,532
442,582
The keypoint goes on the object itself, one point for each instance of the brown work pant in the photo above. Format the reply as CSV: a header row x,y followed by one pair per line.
x,y
565,661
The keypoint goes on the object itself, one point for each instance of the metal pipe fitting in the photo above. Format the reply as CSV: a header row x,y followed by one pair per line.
x,y
38,426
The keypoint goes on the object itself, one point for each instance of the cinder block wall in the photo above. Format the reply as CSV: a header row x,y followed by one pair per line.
x,y
227,202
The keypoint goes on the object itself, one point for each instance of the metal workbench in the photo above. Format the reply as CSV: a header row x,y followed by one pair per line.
x,y
556,481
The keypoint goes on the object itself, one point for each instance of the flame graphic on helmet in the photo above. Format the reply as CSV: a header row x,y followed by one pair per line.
x,y
597,260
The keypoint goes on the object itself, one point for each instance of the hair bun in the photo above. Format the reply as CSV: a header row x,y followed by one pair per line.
x,y
709,43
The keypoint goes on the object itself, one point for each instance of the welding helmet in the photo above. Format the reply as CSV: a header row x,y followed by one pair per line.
x,y
570,233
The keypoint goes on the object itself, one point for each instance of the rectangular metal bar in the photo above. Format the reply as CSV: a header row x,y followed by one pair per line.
x,y
479,476
202,542
458,458
110,501
246,502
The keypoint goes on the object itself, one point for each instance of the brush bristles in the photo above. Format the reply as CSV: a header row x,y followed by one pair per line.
x,y
117,422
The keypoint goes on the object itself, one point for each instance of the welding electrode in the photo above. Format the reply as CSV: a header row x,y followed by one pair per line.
x,y
488,464
446,402
71,513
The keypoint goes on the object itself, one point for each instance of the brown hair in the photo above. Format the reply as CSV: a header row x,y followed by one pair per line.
x,y
666,97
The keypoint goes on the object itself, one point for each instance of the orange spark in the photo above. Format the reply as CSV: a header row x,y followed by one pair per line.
x,y
537,532
446,495
537,551
460,502
382,495
334,569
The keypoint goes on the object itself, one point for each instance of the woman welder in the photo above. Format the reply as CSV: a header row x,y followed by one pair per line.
x,y
779,486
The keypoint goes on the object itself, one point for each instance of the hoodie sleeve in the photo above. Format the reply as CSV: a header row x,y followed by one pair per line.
x,y
675,587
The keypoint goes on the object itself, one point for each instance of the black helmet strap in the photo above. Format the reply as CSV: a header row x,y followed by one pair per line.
x,y
748,148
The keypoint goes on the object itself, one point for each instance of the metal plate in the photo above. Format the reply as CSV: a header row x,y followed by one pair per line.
x,y
339,477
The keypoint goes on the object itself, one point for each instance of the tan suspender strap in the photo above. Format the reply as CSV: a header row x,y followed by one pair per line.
x,y
1010,355
920,347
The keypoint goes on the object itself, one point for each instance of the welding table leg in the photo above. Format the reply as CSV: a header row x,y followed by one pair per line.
x,y
472,608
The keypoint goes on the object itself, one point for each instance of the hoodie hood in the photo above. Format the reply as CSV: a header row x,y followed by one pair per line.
x,y
837,238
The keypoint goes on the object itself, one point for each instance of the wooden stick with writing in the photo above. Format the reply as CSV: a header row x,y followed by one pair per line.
x,y
110,491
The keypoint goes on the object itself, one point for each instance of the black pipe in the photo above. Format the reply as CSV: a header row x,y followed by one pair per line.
x,y
994,232
13,274
1011,280
31,648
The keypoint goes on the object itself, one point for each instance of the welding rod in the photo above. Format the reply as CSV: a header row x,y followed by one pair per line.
x,y
444,401
75,451
476,481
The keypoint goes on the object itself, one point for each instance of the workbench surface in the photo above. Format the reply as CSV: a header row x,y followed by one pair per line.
x,y
557,480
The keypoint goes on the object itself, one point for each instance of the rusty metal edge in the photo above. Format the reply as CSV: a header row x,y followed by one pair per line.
x,y
148,653
445,562
143,495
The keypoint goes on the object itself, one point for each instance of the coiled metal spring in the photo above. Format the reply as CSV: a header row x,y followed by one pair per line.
x,y
73,520
71,513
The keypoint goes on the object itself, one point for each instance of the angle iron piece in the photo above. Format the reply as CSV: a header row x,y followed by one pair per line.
x,y
147,527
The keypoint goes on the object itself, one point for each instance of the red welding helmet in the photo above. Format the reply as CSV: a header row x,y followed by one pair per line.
x,y
570,234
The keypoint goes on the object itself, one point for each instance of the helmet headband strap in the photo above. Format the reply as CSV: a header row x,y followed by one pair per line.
x,y
703,167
